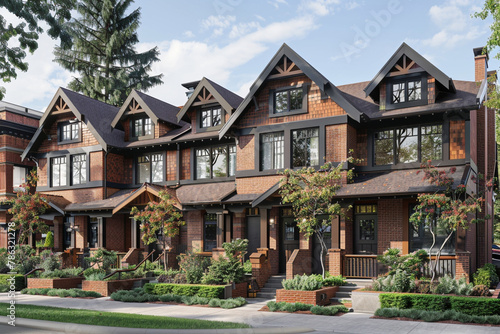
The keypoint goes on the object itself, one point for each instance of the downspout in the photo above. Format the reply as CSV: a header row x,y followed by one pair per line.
x,y
105,194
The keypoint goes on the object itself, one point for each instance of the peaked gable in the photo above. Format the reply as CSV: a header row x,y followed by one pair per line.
x,y
404,61
96,115
287,62
154,108
207,91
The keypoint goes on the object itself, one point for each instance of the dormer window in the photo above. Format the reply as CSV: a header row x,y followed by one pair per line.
x,y
69,131
288,101
211,117
142,127
406,91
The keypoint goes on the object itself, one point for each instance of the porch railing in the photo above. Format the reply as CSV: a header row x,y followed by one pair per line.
x,y
445,266
361,266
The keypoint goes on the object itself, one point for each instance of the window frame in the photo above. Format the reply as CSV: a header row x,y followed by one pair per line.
x,y
210,222
65,157
288,112
71,158
272,153
292,147
150,155
395,158
18,187
71,124
210,108
133,135
210,159
406,79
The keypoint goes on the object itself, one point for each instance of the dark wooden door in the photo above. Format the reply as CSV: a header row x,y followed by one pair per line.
x,y
253,234
289,240
365,234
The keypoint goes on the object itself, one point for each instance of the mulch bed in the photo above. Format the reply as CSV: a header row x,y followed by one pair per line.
x,y
266,309
443,321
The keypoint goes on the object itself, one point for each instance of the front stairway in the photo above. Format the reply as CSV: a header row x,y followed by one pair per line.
x,y
269,290
344,293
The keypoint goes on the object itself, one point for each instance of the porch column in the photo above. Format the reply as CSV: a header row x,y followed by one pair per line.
x,y
336,233
133,233
220,229
100,232
227,229
58,235
263,228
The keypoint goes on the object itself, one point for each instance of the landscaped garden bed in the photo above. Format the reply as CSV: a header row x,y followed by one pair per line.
x,y
73,293
106,288
312,289
302,308
54,283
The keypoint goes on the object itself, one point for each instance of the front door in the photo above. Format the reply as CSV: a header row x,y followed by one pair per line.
x,y
253,235
365,234
289,238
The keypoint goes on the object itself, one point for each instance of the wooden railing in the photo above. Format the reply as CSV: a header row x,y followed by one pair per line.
x,y
361,266
445,266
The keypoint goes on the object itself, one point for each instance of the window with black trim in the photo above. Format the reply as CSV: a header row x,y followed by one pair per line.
x,y
210,232
69,131
19,177
210,117
305,147
287,100
408,144
142,127
79,169
58,169
272,150
407,91
150,168
214,162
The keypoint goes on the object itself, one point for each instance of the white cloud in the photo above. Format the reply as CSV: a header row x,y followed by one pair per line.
x,y
187,61
454,22
277,3
188,34
319,7
241,29
219,23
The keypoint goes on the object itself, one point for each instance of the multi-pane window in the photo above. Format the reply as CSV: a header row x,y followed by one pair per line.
x,y
406,91
58,171
19,177
210,232
213,162
272,150
69,131
142,127
305,147
410,144
288,100
79,168
211,117
93,232
150,168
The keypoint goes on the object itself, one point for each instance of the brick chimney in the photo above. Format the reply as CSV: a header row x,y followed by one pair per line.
x,y
481,63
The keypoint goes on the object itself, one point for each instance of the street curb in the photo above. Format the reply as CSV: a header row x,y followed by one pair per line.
x,y
82,329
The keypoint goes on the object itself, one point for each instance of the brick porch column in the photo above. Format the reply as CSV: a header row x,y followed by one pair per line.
x,y
335,261
239,225
58,234
462,264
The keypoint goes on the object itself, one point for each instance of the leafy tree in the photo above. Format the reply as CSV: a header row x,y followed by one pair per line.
x,y
104,54
310,192
31,13
27,208
447,209
159,218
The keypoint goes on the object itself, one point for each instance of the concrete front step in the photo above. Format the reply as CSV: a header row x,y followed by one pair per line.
x,y
340,294
273,285
267,295
266,289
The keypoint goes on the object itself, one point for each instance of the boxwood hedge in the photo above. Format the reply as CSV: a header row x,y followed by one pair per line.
x,y
208,291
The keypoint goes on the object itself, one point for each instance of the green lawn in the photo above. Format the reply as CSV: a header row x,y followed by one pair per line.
x,y
98,318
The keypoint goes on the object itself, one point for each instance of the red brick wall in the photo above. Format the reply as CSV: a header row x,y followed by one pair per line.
x,y
19,119
186,164
317,107
116,233
88,138
480,67
239,225
194,222
307,297
106,288
390,224
171,165
457,139
245,153
81,235
299,263
240,290
256,185
57,283
346,231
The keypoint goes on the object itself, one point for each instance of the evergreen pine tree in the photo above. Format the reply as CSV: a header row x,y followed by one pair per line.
x,y
103,52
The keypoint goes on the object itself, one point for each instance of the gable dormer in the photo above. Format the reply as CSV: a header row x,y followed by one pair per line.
x,y
209,105
145,117
408,80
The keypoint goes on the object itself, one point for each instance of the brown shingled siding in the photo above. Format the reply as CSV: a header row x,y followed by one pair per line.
x,y
245,153
162,128
457,139
115,168
186,167
171,165
42,172
431,90
96,166
317,107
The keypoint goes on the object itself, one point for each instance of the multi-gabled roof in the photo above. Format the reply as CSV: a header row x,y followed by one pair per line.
x,y
323,83
96,115
154,108
227,99
404,50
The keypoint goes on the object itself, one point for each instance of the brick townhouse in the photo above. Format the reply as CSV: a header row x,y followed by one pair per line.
x,y
220,156
17,126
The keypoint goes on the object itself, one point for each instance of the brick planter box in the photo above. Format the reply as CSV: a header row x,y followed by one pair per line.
x,y
316,297
54,283
106,288
240,290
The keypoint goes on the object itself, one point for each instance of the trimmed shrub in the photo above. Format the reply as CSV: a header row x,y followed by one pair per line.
x,y
430,302
393,300
438,316
410,263
302,283
486,275
399,282
61,292
49,240
193,266
481,291
18,281
475,306
334,281
315,309
208,291
61,273
448,284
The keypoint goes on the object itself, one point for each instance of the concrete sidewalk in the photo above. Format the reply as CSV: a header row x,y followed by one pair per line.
x,y
348,323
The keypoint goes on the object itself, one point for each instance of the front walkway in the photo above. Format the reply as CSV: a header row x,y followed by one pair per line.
x,y
348,323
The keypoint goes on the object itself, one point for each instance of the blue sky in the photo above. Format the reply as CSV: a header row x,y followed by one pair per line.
x,y
231,41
